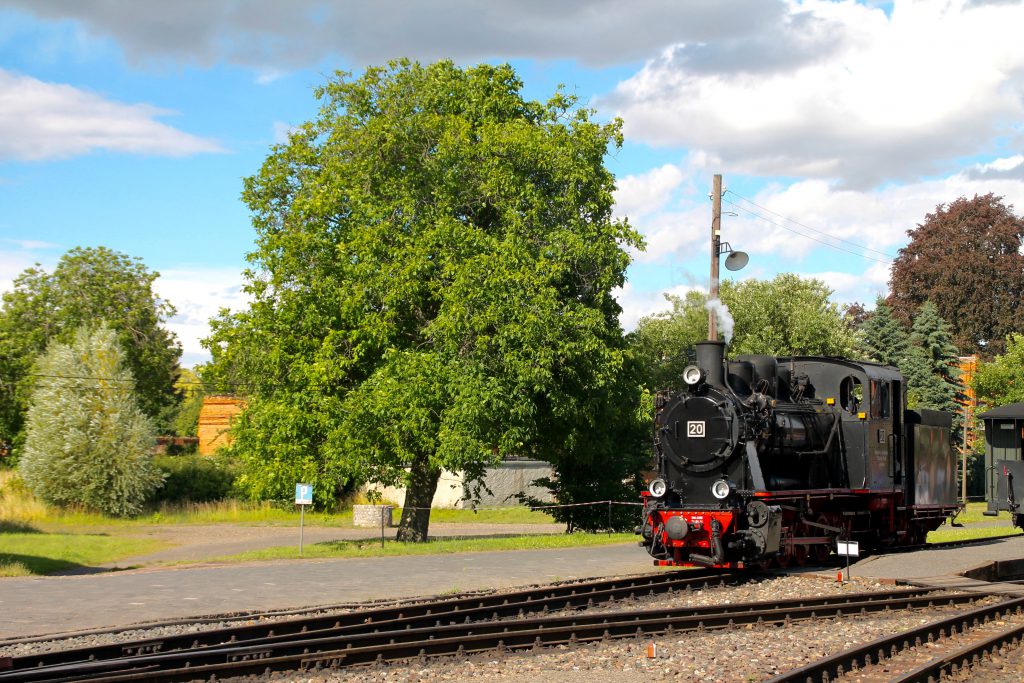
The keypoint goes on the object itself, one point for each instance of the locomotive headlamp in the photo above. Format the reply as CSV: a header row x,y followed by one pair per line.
x,y
657,488
721,489
693,375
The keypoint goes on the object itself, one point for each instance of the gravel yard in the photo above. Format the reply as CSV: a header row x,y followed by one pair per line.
x,y
751,653
739,655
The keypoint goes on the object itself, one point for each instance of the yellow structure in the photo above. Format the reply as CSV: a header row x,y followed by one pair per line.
x,y
214,421
968,366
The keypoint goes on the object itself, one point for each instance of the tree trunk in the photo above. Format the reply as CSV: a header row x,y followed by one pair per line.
x,y
418,498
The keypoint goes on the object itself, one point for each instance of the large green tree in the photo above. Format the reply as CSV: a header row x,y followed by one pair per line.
x,y
432,286
664,341
787,315
87,441
1001,381
88,285
966,258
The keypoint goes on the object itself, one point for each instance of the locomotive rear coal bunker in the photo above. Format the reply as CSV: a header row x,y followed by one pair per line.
x,y
767,460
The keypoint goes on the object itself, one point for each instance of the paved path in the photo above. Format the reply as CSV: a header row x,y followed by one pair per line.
x,y
40,605
31,606
923,564
195,543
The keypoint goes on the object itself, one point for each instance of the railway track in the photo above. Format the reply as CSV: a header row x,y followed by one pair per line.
x,y
862,657
541,599
446,632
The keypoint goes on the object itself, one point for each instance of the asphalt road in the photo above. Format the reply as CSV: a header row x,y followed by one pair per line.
x,y
42,605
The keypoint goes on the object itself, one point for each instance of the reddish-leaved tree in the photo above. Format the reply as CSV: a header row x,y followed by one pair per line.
x,y
966,258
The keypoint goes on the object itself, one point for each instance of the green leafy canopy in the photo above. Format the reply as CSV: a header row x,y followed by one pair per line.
x,y
432,284
787,315
87,285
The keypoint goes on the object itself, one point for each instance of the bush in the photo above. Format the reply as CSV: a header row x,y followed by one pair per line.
x,y
87,441
194,479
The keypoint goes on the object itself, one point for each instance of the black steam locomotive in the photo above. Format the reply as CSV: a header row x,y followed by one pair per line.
x,y
772,460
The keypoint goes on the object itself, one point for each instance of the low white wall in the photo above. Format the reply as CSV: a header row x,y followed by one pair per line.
x,y
504,481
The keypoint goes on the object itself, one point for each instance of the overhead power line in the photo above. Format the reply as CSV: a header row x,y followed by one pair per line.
x,y
828,236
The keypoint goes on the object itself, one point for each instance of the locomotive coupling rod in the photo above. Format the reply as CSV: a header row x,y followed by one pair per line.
x,y
826,527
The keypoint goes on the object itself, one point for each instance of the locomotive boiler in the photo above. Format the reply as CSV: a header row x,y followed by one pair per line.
x,y
764,459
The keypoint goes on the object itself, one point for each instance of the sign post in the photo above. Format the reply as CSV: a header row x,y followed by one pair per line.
x,y
848,548
303,497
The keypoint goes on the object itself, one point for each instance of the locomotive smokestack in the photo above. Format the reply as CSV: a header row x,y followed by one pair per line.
x,y
711,358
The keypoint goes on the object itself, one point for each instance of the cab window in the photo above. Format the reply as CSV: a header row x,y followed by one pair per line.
x,y
880,399
851,394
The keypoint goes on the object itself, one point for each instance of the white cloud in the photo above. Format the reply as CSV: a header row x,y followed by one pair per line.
x,y
860,96
638,303
638,195
40,120
198,293
847,288
793,224
13,263
30,245
269,34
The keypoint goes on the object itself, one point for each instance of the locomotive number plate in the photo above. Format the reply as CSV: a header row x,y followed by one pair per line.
x,y
695,429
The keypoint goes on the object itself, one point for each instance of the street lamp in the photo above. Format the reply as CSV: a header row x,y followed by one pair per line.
x,y
735,261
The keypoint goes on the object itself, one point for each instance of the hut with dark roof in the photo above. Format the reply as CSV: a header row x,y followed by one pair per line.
x,y
1004,434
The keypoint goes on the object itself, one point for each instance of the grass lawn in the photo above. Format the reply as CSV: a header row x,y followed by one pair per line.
x,y
28,553
947,533
372,548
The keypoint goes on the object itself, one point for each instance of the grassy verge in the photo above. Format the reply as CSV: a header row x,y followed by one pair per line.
x,y
946,533
26,554
973,514
18,505
373,548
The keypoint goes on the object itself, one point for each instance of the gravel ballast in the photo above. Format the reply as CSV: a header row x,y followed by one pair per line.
x,y
745,653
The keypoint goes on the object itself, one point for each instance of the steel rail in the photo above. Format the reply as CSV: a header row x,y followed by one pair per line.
x,y
388,645
834,666
962,658
447,610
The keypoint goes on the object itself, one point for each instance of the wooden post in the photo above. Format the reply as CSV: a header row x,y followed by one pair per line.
x,y
716,237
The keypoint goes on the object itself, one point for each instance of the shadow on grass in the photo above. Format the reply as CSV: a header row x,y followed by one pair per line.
x,y
13,564
9,527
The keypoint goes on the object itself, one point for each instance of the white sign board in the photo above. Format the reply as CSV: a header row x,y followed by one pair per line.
x,y
303,494
848,548
695,429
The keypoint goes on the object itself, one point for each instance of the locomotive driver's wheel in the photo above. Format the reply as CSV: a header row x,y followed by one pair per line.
x,y
833,520
801,553
783,559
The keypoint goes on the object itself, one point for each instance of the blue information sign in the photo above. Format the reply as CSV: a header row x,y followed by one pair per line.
x,y
303,494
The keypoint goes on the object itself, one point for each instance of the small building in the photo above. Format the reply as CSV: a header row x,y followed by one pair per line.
x,y
215,419
503,481
1004,434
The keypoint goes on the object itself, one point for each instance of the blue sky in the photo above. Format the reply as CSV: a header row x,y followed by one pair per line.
x,y
837,125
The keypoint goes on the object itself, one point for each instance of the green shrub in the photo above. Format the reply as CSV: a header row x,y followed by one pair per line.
x,y
87,441
194,478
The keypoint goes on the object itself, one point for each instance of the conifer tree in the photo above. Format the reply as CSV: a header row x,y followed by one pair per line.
x,y
87,441
884,339
931,334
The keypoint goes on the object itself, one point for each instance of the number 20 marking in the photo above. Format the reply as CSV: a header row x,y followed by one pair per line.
x,y
695,428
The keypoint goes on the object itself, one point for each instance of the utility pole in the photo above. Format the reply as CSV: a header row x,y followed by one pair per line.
x,y
716,238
